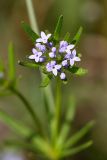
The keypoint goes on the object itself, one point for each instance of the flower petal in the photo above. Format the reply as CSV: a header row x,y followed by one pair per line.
x,y
43,35
34,51
71,62
62,76
48,36
44,41
31,57
71,46
77,59
74,52
55,71
53,49
39,40
42,59
39,54
58,66
64,63
53,63
51,55
36,59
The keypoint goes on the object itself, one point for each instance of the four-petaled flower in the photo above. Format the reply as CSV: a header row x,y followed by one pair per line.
x,y
71,56
44,38
53,67
36,55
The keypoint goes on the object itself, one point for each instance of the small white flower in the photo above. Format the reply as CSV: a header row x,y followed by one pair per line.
x,y
44,38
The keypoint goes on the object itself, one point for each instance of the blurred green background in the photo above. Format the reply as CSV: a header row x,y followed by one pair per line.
x,y
90,91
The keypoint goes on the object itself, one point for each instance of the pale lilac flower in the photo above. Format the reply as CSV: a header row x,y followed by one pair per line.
x,y
50,66
63,46
53,53
65,63
63,76
72,57
44,38
41,47
36,55
54,49
53,67
56,69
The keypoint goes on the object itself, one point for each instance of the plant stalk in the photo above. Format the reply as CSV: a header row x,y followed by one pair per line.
x,y
58,104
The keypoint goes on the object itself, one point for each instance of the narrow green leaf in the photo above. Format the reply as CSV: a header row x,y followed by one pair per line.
x,y
33,36
58,28
14,125
45,81
67,37
44,147
78,71
20,145
11,61
28,64
77,36
79,135
76,150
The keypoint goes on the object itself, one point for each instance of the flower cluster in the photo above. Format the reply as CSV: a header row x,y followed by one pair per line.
x,y
55,57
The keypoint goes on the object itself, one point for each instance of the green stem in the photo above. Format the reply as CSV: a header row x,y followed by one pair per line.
x,y
29,108
47,90
55,123
58,103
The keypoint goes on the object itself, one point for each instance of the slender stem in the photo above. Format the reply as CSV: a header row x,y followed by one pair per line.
x,y
29,108
55,123
58,103
47,90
